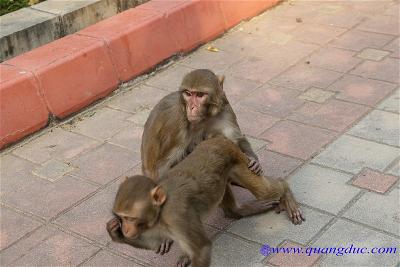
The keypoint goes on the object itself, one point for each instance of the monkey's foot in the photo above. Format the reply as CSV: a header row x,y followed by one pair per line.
x,y
164,246
289,204
183,261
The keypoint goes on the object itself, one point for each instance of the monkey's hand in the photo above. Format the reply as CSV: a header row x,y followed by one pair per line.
x,y
164,246
183,261
114,229
255,166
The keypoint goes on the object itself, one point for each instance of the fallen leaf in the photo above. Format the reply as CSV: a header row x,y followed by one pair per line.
x,y
212,49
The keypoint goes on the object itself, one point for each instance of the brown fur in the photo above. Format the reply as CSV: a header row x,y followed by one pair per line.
x,y
189,194
168,136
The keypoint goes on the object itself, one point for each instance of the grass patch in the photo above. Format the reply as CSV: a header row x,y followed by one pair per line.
x,y
7,6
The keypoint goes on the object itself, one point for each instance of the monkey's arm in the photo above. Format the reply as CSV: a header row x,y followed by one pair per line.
x,y
254,164
159,245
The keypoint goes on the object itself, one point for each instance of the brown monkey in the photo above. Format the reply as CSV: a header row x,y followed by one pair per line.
x,y
181,120
148,213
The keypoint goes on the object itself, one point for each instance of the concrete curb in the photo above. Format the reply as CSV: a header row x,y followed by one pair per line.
x,y
42,23
70,73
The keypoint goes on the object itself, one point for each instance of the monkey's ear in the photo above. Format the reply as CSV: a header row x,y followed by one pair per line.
x,y
221,79
158,195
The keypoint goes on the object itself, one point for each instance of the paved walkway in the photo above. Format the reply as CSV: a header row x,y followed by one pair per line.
x,y
315,88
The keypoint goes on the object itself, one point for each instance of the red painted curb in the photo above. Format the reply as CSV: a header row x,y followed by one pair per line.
x,y
72,72
78,69
22,110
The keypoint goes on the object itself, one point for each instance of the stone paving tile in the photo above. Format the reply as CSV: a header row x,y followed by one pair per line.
x,y
106,259
153,259
48,247
99,208
282,259
392,9
276,101
256,144
218,220
361,90
374,180
256,69
140,98
218,62
369,7
344,19
344,234
264,24
102,124
105,163
333,115
393,46
352,154
319,187
130,138
294,9
57,143
391,103
14,226
381,24
288,53
316,95
242,195
169,79
240,43
236,88
252,122
387,70
53,169
334,59
271,228
279,38
231,251
395,170
302,76
47,199
15,173
372,54
380,211
276,165
140,117
149,257
320,35
379,126
358,40
297,140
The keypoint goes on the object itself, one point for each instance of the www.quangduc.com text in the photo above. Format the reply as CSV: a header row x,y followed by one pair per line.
x,y
338,251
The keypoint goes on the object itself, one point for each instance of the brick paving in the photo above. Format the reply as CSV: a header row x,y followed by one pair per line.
x,y
315,87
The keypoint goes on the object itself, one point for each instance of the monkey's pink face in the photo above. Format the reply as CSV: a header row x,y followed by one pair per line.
x,y
195,104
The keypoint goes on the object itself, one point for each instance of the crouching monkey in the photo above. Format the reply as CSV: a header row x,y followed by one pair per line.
x,y
148,213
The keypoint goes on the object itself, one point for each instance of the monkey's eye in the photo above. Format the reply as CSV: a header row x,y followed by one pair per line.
x,y
187,93
201,94
130,219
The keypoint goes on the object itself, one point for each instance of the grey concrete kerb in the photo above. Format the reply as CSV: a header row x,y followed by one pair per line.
x,y
28,28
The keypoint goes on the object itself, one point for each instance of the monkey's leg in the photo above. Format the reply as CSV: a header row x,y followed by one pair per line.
x,y
267,188
231,209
